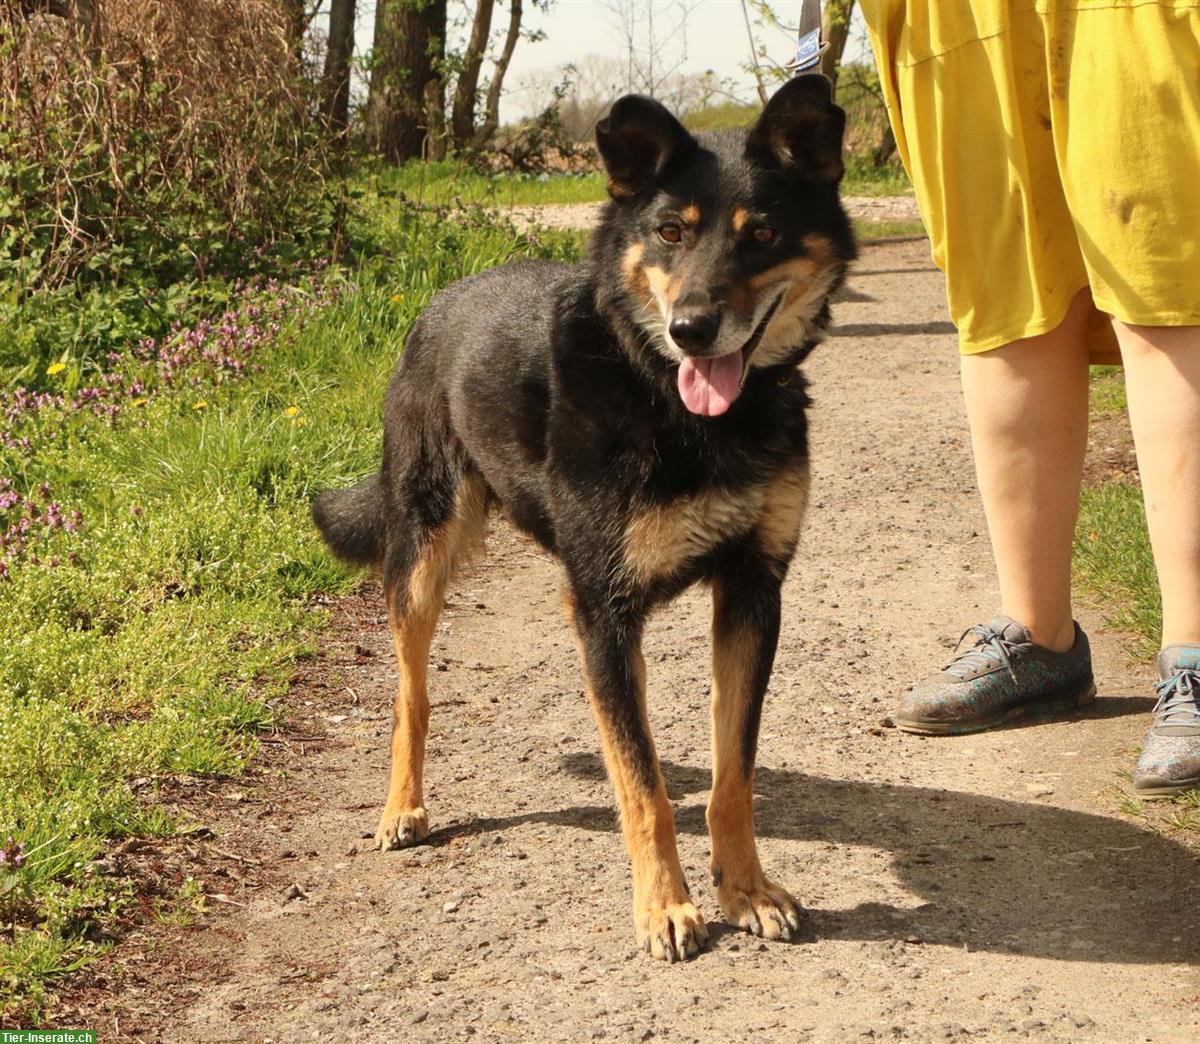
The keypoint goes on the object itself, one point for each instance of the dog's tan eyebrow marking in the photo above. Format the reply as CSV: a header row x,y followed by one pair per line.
x,y
690,214
740,216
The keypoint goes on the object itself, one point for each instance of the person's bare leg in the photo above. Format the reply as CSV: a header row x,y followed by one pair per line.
x,y
1027,403
1162,382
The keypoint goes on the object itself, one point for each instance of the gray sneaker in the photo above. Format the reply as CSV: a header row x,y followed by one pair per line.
x,y
1170,761
1003,676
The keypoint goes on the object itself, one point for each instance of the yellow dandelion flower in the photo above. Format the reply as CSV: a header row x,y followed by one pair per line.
x,y
140,402
201,405
291,411
397,298
54,368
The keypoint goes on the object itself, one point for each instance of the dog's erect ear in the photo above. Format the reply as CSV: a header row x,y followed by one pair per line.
x,y
800,131
637,140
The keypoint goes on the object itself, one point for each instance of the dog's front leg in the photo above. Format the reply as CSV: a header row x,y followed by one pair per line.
x,y
746,610
666,922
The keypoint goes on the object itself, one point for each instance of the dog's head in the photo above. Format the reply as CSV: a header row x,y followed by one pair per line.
x,y
728,247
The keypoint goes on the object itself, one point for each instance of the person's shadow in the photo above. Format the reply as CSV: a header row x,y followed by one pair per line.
x,y
990,874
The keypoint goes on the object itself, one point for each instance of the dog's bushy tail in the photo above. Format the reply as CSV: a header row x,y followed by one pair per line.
x,y
352,521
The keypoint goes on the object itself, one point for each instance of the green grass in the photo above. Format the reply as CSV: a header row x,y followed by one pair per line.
x,y
449,182
1177,817
164,644
1107,391
863,178
1113,560
868,230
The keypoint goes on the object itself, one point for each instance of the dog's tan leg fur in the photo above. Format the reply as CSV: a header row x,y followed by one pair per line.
x,y
666,922
748,899
414,618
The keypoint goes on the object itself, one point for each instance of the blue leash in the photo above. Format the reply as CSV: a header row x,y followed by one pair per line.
x,y
807,58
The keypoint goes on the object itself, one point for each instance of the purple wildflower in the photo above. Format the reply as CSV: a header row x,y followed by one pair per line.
x,y
12,852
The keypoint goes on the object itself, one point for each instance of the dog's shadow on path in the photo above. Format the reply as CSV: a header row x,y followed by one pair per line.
x,y
988,873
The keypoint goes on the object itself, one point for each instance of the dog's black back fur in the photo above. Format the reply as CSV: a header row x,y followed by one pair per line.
x,y
558,392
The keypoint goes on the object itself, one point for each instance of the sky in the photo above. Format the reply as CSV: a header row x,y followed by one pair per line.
x,y
715,38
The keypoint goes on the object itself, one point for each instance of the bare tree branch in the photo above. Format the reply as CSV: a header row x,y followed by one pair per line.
x,y
462,118
491,118
762,90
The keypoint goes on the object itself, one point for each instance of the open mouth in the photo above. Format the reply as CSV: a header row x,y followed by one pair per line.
x,y
708,386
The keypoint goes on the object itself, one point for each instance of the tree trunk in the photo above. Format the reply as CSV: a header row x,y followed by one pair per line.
x,y
409,45
491,109
886,148
835,29
462,119
335,100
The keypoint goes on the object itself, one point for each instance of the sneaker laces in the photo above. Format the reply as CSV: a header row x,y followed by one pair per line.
x,y
1178,698
990,648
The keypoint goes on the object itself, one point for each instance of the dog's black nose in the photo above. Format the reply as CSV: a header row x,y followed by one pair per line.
x,y
695,331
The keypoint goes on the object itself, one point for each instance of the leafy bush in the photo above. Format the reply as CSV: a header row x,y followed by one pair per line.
x,y
539,145
143,166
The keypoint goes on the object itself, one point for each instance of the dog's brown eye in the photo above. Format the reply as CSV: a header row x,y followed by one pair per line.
x,y
670,233
762,234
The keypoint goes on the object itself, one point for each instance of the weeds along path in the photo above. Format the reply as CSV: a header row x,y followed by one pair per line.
x,y
979,887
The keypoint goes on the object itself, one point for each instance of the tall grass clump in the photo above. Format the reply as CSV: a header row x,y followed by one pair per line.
x,y
146,159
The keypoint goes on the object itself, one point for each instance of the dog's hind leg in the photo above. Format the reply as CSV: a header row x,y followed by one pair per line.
x,y
666,922
420,562
746,612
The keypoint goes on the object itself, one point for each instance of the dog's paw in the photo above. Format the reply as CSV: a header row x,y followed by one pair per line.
x,y
763,909
674,932
402,829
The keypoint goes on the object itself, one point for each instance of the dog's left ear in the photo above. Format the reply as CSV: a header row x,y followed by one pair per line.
x,y
637,140
800,131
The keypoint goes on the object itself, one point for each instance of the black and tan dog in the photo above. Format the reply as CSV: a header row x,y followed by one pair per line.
x,y
642,417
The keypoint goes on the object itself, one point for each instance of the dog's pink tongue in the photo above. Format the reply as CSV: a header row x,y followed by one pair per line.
x,y
709,386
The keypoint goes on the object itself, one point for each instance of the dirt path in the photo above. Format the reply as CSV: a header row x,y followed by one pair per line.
x,y
976,887
584,215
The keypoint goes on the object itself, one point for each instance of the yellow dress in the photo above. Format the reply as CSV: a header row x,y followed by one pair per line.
x,y
1053,144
